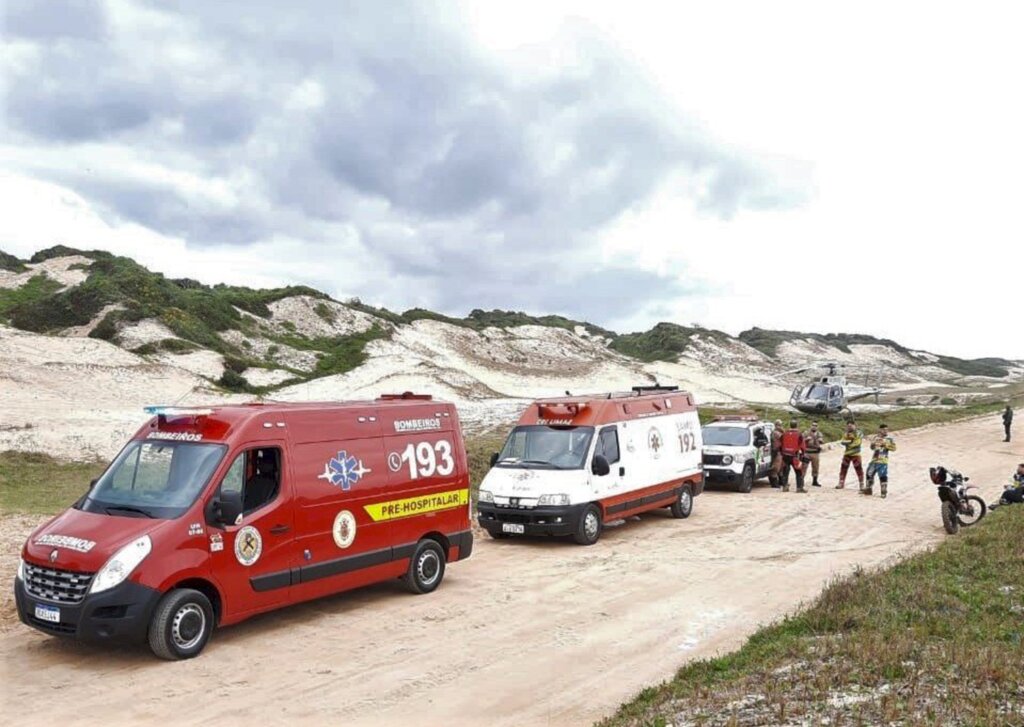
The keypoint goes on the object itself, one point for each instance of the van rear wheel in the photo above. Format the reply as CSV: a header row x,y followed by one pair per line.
x,y
683,505
589,527
426,567
181,624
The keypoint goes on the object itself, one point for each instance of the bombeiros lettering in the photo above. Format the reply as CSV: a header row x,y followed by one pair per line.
x,y
417,425
176,436
79,545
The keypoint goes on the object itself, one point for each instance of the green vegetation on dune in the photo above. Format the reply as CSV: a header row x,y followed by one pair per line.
x,y
37,289
934,640
38,484
664,342
9,262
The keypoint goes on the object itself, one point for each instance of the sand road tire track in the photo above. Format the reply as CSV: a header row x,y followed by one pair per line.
x,y
534,632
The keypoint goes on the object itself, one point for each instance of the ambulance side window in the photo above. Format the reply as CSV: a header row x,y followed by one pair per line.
x,y
255,473
608,444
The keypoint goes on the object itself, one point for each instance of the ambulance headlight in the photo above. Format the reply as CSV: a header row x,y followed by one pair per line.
x,y
553,500
21,569
121,564
485,496
727,459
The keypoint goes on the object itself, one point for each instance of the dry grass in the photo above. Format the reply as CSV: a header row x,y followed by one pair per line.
x,y
935,640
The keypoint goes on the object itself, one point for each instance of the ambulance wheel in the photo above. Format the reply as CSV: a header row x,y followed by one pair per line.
x,y
683,505
589,527
181,624
746,483
426,567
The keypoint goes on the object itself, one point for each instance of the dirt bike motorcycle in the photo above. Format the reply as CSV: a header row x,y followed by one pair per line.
x,y
959,509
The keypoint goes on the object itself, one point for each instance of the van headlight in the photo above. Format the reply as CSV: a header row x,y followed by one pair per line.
x,y
727,459
559,499
485,496
121,564
21,569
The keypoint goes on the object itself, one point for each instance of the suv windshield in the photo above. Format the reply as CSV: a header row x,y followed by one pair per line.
x,y
562,448
726,436
156,479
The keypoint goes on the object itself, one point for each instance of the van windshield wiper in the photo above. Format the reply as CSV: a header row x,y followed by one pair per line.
x,y
126,508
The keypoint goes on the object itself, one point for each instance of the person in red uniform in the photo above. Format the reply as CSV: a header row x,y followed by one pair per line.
x,y
792,451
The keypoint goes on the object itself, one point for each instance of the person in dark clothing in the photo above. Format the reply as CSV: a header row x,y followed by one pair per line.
x,y
1014,494
1007,421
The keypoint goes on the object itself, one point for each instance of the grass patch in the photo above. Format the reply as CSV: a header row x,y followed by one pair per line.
x,y
13,300
38,484
935,640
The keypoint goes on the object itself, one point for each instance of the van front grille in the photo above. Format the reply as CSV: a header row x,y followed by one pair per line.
x,y
56,585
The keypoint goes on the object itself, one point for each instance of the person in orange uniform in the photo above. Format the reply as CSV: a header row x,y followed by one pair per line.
x,y
792,456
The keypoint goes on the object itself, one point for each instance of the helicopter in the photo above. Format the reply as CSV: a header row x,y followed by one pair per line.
x,y
828,394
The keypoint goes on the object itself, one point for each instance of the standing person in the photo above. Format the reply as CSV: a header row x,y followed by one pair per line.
x,y
773,473
881,445
792,456
1007,421
814,440
852,442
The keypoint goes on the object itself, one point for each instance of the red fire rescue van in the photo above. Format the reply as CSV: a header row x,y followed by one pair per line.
x,y
574,463
209,516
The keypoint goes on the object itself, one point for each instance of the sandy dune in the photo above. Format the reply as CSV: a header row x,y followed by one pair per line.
x,y
535,632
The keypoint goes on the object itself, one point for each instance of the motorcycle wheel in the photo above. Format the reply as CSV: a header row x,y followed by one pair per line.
x,y
971,511
949,520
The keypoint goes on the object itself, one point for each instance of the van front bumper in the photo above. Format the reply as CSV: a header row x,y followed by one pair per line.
x,y
119,614
560,520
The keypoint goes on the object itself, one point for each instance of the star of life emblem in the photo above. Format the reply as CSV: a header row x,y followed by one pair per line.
x,y
344,470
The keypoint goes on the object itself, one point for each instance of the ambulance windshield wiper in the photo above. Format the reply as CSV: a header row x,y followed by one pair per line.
x,y
126,508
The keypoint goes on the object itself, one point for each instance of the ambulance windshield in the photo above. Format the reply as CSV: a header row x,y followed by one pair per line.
x,y
726,436
157,479
560,448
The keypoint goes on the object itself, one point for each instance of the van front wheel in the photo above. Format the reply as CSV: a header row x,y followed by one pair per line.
x,y
683,505
426,567
181,624
589,527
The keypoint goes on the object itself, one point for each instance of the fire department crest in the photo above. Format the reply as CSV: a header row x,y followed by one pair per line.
x,y
248,545
344,530
344,470
655,442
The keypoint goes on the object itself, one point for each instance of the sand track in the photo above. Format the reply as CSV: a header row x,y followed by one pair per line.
x,y
533,632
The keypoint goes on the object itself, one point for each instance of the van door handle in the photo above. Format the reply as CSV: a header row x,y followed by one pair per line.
x,y
279,530
622,471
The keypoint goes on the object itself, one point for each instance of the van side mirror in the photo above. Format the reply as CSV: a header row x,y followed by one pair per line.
x,y
93,481
228,507
494,459
600,466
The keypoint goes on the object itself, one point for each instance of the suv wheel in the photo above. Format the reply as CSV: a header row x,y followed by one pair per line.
x,y
746,483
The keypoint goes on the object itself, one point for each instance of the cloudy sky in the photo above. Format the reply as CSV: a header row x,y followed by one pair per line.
x,y
787,165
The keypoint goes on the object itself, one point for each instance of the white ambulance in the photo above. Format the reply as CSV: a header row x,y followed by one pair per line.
x,y
574,463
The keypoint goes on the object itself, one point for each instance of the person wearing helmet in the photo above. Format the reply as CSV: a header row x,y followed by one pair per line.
x,y
881,445
852,442
814,440
776,468
792,456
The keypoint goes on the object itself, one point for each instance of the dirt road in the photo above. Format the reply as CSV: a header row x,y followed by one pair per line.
x,y
524,632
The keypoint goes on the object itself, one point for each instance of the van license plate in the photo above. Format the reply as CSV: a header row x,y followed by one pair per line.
x,y
513,528
48,613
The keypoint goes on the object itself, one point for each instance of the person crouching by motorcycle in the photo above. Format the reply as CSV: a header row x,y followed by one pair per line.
x,y
792,456
1014,494
881,445
852,443
776,468
814,440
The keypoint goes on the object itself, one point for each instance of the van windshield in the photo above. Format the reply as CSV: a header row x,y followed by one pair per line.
x,y
560,448
726,436
155,479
